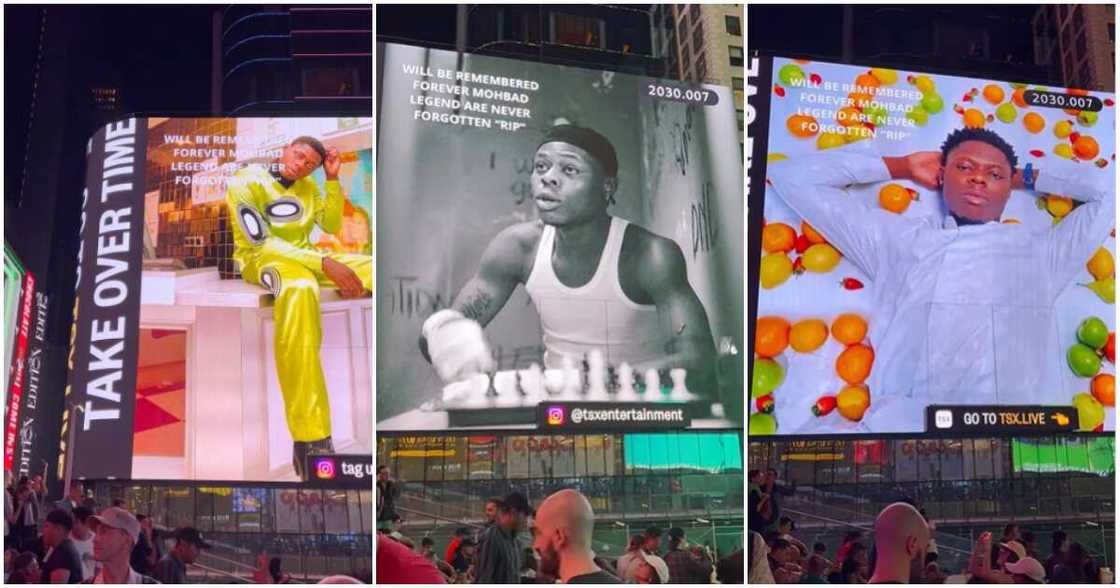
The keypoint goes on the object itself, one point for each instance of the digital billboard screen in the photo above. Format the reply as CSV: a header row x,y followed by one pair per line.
x,y
550,236
927,241
222,327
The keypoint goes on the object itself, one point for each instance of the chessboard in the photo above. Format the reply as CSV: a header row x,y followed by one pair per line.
x,y
512,396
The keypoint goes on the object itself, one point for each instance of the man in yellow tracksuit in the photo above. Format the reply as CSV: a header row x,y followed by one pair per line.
x,y
273,211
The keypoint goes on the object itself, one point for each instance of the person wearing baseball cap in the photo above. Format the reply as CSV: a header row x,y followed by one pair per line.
x,y
499,554
1027,571
651,569
172,569
115,533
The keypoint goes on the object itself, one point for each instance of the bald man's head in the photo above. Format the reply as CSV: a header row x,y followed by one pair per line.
x,y
562,528
901,537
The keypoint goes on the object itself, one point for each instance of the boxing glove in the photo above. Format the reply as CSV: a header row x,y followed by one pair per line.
x,y
456,346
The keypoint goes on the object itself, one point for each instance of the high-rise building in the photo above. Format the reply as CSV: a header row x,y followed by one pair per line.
x,y
1081,39
704,44
294,60
609,37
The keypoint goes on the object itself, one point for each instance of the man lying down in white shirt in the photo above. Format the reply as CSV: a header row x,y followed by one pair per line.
x,y
964,308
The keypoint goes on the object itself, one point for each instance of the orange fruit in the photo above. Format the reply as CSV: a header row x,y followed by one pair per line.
x,y
854,364
974,118
1104,389
1085,147
895,197
778,238
1034,123
808,335
867,82
1017,98
1058,206
993,93
771,336
849,329
802,126
852,402
811,234
820,258
848,117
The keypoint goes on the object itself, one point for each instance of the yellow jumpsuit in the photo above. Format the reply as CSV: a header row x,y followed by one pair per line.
x,y
271,227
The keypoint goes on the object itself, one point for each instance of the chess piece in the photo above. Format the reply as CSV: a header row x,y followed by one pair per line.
x,y
612,380
491,388
595,387
653,386
626,391
520,384
680,392
571,376
536,380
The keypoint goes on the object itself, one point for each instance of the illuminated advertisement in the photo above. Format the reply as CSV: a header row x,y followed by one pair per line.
x,y
551,236
1045,455
924,241
13,284
223,315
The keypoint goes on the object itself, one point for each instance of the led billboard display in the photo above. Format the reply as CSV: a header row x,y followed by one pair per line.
x,y
223,316
553,236
924,241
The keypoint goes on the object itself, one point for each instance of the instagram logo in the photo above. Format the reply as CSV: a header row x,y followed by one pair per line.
x,y
324,469
555,415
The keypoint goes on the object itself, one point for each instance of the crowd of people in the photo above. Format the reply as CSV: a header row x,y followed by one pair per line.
x,y
517,544
77,541
902,550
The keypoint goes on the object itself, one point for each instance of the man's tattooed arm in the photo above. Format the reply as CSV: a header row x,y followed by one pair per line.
x,y
476,306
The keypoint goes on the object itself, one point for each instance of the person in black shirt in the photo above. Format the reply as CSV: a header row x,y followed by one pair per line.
x,y
562,539
62,565
387,493
499,555
172,568
143,558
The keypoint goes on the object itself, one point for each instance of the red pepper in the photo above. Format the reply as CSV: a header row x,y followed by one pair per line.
x,y
779,91
1037,153
1099,428
802,243
1074,136
851,284
814,79
1108,102
765,403
798,268
824,405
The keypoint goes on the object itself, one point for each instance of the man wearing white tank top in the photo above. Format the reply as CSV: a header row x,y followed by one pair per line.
x,y
597,281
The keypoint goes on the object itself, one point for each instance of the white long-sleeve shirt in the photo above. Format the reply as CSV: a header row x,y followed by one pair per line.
x,y
963,314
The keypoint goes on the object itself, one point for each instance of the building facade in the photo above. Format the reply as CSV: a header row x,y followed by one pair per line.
x,y
965,485
316,532
692,480
1081,40
703,44
290,60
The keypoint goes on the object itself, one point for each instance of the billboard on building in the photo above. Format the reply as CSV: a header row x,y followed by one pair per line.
x,y
550,236
928,252
224,300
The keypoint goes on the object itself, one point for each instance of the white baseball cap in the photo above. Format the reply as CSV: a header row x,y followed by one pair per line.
x,y
657,564
119,518
1029,567
1016,548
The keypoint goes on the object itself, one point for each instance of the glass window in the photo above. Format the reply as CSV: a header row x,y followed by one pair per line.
x,y
682,29
702,70
180,507
336,512
248,506
455,458
310,511
737,84
571,29
952,459
694,12
733,25
516,457
287,510
324,81
562,448
698,39
433,460
736,55
739,116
